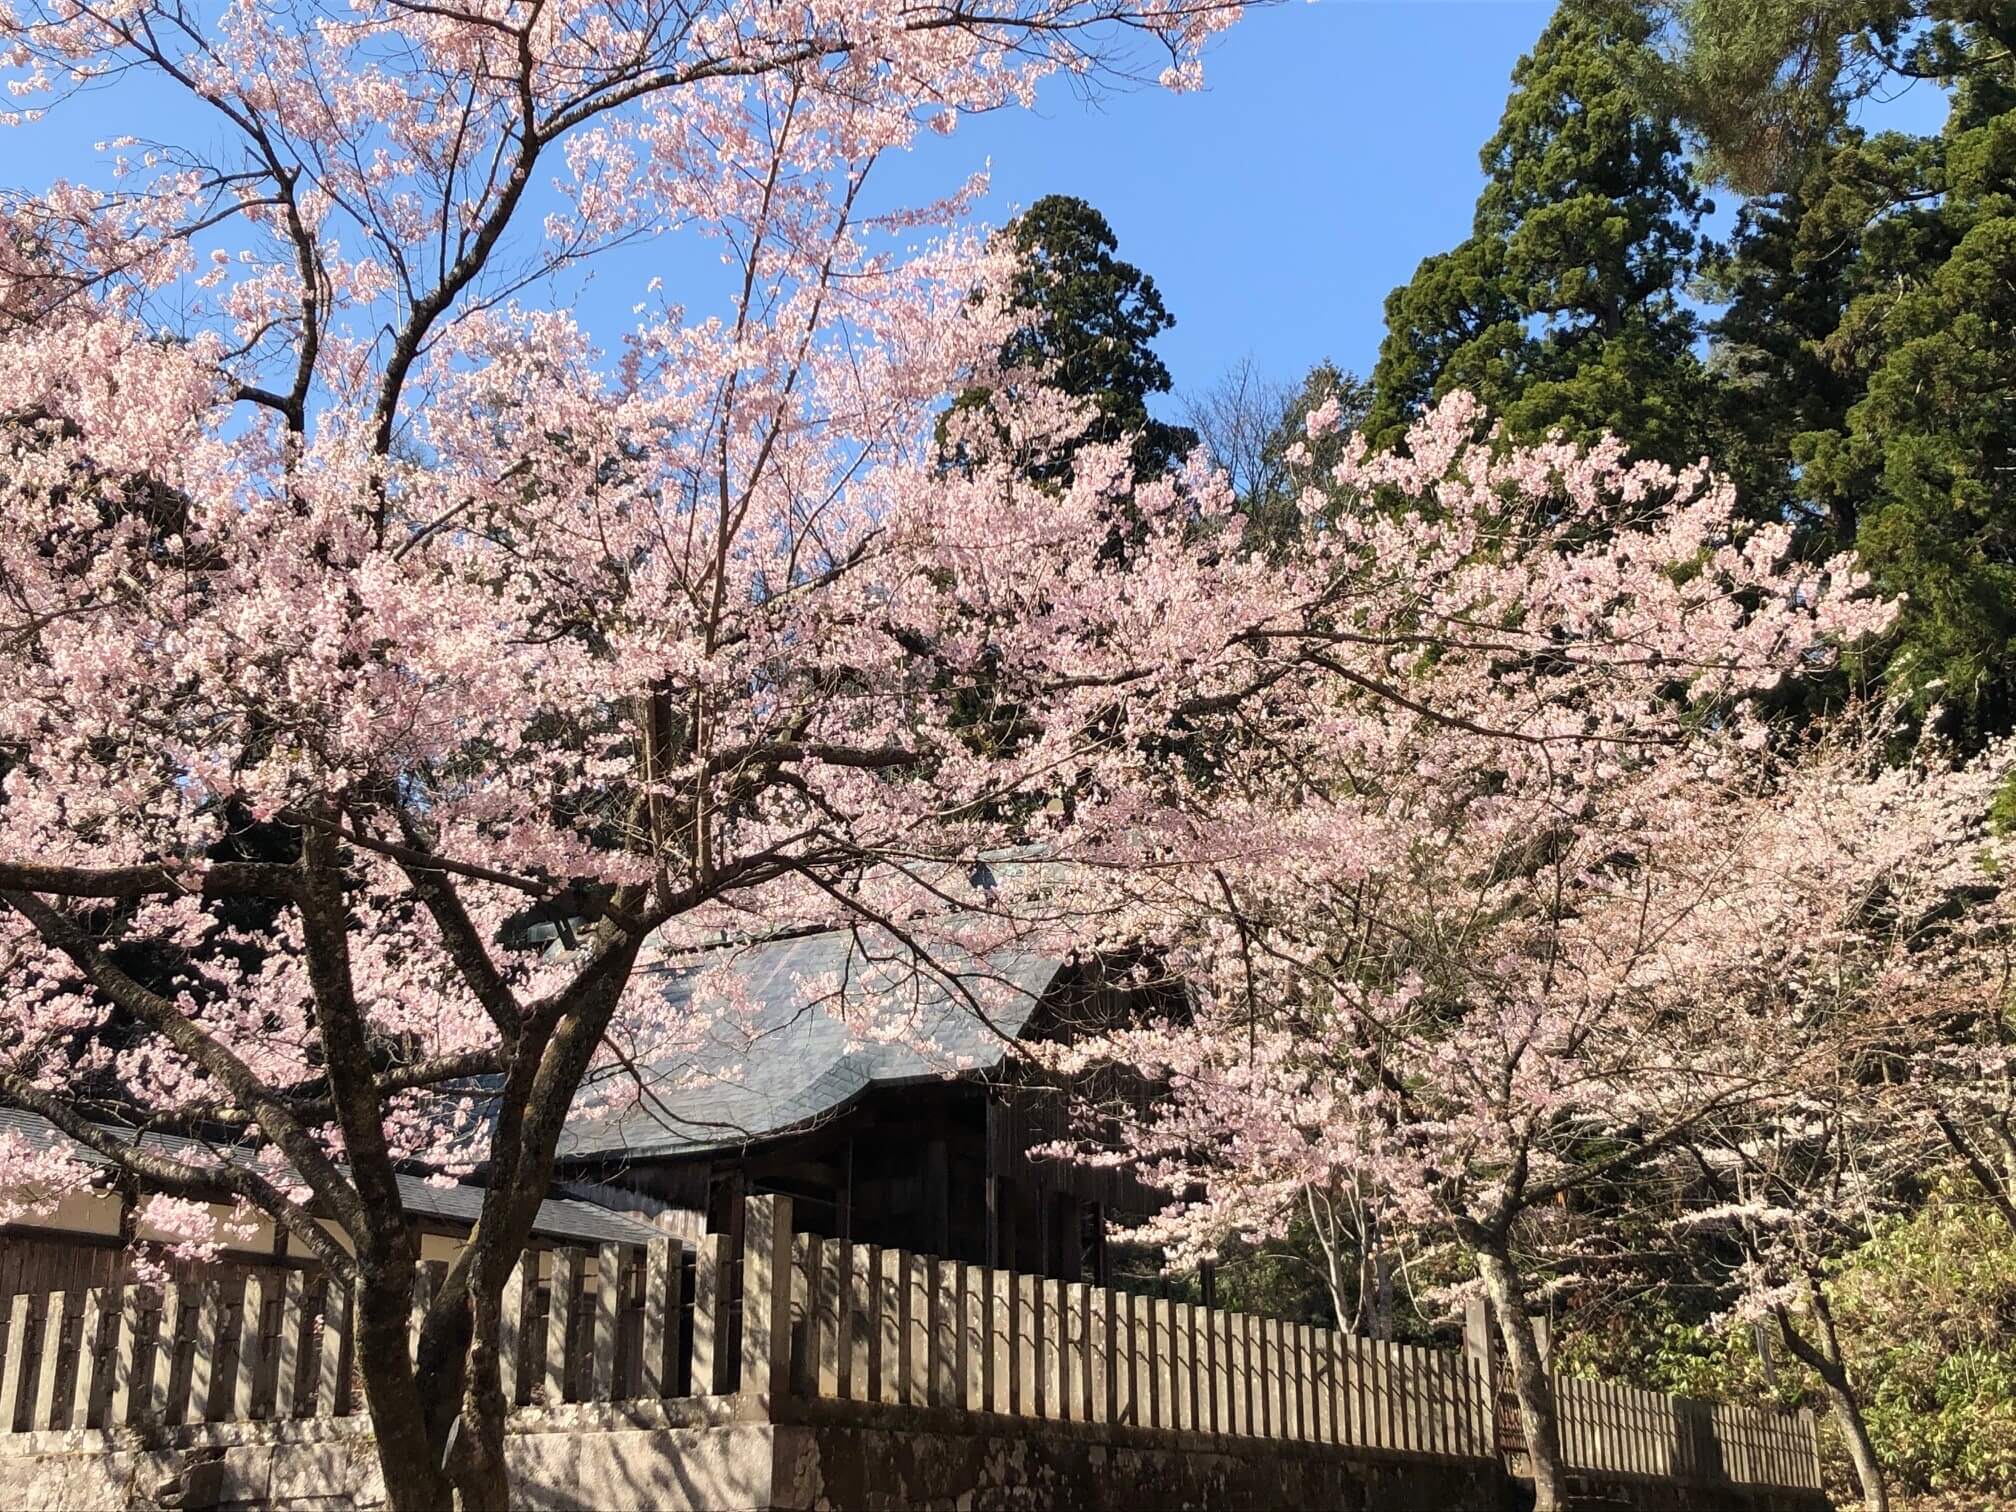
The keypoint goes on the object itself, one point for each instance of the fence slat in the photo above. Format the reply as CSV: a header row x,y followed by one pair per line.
x,y
916,1330
330,1385
245,1392
944,1332
710,1313
1096,1303
167,1345
14,1370
1050,1348
1221,1373
1130,1376
655,1374
1001,1341
862,1291
976,1356
766,1295
287,1360
608,1314
1182,1367
55,1311
84,1384
561,1289
889,1327
511,1330
829,1314
203,1359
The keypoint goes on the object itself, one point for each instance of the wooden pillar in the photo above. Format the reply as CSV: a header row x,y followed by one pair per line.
x,y
511,1325
42,1411
90,1328
710,1313
1481,1355
331,1389
861,1321
287,1393
251,1349
203,1359
560,1291
1000,1340
129,1360
766,1295
656,1377
609,1279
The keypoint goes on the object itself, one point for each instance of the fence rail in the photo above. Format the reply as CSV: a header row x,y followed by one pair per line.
x,y
795,1314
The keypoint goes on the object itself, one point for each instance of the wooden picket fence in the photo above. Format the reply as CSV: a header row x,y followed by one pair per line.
x,y
797,1315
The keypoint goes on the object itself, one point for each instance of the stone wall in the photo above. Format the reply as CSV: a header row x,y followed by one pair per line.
x,y
724,1454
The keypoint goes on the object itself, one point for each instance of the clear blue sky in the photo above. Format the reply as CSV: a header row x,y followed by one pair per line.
x,y
1333,146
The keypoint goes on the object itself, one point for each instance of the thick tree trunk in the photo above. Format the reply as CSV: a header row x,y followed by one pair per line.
x,y
481,1484
414,1480
1529,1378
1824,1359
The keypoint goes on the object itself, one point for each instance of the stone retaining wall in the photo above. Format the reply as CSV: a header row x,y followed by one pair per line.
x,y
724,1454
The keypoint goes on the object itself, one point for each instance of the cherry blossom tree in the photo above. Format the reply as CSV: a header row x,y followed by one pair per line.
x,y
1464,959
361,608
1871,919
357,606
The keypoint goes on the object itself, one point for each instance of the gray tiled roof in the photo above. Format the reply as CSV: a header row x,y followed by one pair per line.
x,y
558,1218
791,1059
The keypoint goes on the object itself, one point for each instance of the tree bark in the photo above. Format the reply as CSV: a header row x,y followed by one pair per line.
x,y
1824,1360
1529,1378
414,1481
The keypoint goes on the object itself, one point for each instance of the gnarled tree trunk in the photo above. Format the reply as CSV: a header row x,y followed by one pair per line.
x,y
1822,1355
1529,1378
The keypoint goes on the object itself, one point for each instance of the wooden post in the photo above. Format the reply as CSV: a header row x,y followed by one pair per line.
x,y
1096,1305
974,1353
560,1292
167,1344
1000,1340
1222,1380
1025,1346
84,1385
1183,1359
917,1330
889,1326
511,1325
287,1362
202,1361
1127,1383
945,1332
1077,1352
1050,1299
251,1348
710,1313
766,1295
608,1312
861,1321
660,1309
128,1361
42,1411
330,1387
1242,1388
829,1321
1340,1387
14,1374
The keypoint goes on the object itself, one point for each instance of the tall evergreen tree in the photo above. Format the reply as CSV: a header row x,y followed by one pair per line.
x,y
1563,308
1871,326
1097,317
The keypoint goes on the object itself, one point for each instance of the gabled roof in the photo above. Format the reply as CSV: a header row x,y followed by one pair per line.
x,y
789,1059
558,1218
